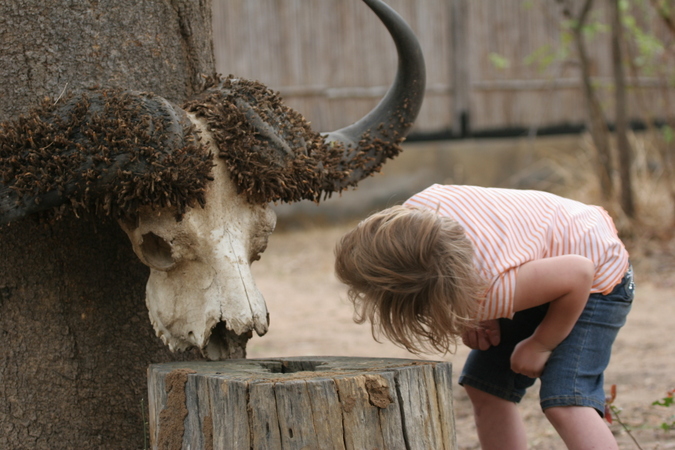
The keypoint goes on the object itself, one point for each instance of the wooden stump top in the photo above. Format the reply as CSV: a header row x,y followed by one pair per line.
x,y
302,403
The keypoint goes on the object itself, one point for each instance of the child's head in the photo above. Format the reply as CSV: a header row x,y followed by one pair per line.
x,y
411,273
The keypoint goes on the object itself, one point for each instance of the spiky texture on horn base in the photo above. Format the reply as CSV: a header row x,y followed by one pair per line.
x,y
106,152
109,152
271,151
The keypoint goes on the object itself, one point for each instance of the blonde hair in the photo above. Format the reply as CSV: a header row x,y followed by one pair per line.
x,y
410,272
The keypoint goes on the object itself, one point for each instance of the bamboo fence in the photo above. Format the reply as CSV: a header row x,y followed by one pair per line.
x,y
332,60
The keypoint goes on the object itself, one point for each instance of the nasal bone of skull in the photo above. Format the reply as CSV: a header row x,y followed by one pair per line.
x,y
243,305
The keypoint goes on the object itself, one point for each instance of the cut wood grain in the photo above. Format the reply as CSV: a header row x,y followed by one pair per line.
x,y
327,403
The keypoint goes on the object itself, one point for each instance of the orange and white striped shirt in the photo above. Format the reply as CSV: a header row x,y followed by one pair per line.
x,y
509,227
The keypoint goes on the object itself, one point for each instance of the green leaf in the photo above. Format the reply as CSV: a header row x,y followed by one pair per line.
x,y
666,401
499,61
527,5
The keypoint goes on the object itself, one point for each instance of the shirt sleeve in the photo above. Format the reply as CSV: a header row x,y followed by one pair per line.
x,y
500,296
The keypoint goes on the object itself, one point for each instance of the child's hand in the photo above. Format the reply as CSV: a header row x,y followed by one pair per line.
x,y
529,357
486,335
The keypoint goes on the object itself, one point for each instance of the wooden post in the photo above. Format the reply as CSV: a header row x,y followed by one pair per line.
x,y
460,68
302,403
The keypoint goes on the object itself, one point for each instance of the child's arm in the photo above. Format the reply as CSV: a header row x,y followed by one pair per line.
x,y
565,283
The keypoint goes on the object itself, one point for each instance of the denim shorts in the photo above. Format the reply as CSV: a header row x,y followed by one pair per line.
x,y
573,375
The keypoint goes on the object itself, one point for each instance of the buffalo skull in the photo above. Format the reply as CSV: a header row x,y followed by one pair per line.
x,y
191,185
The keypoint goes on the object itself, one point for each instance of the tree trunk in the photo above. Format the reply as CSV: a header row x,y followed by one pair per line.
x,y
597,120
597,124
665,144
75,338
146,45
296,403
623,145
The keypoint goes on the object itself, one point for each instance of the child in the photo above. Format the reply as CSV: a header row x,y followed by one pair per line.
x,y
537,285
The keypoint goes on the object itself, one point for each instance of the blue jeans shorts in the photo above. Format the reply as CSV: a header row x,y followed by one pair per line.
x,y
573,375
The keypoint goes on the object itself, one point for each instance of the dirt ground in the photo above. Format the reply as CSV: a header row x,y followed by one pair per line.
x,y
310,316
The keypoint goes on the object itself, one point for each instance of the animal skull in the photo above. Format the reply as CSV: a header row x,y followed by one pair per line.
x,y
200,266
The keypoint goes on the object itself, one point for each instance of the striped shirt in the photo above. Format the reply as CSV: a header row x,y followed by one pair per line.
x,y
510,227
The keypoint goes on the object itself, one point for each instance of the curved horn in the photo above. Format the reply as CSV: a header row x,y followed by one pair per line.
x,y
393,117
273,154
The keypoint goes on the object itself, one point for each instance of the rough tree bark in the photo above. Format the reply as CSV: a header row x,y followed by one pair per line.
x,y
75,339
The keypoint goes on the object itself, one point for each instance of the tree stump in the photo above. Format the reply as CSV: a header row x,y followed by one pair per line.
x,y
302,403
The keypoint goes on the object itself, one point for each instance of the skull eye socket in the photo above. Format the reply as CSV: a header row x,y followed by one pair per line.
x,y
157,252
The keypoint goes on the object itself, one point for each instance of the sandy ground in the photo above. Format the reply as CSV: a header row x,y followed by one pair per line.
x,y
310,316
